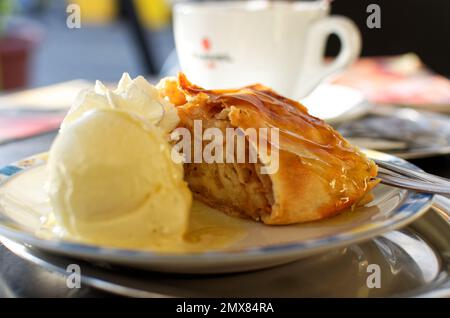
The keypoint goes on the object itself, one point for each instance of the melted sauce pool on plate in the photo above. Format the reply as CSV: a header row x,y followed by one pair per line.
x,y
208,230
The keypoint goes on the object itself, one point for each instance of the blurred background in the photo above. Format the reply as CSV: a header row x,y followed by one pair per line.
x,y
37,47
395,98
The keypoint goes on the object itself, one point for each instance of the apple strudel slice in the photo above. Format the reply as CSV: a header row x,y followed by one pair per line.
x,y
317,173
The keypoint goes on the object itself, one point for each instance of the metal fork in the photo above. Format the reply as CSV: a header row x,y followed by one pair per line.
x,y
399,176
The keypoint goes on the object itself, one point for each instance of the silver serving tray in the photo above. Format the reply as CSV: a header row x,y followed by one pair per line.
x,y
413,262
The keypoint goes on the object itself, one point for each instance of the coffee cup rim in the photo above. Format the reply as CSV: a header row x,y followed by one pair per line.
x,y
229,6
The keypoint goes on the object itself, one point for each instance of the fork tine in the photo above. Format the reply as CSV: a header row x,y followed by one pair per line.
x,y
412,173
419,186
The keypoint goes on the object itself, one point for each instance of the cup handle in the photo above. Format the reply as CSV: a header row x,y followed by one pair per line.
x,y
314,68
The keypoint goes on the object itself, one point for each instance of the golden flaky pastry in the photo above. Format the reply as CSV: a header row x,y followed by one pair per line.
x,y
319,174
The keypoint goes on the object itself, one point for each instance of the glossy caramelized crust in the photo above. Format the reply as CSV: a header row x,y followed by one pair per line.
x,y
319,173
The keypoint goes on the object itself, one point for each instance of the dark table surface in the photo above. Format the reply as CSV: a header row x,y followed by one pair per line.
x,y
19,278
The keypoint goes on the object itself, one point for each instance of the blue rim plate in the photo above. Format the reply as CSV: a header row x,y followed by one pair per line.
x,y
264,246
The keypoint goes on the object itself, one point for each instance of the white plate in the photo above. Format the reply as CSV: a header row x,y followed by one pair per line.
x,y
263,246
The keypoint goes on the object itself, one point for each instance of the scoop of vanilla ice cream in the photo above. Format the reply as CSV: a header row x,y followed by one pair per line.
x,y
112,181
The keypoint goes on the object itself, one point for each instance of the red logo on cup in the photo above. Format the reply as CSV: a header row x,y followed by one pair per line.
x,y
210,58
206,45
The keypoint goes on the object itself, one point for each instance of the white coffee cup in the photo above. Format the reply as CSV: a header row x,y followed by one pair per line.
x,y
280,44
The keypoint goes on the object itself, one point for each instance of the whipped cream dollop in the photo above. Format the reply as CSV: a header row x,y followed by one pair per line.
x,y
135,96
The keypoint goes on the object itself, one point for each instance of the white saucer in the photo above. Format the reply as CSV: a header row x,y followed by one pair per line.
x,y
335,103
